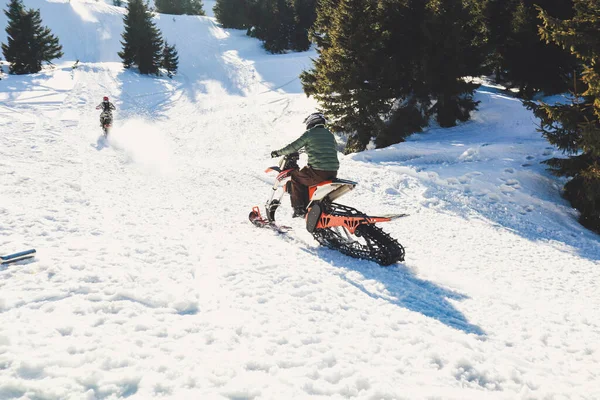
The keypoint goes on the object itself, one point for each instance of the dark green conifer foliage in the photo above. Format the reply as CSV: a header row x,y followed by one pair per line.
x,y
497,16
263,20
170,59
401,33
280,39
386,66
194,7
281,24
29,43
575,127
233,13
15,51
179,7
517,56
142,41
533,65
45,46
346,79
272,21
450,53
305,13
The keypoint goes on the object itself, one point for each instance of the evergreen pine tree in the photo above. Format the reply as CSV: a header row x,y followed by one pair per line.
x,y
260,17
575,128
29,43
533,65
45,46
170,59
272,21
194,7
179,7
165,6
142,41
387,66
346,78
449,55
281,24
232,13
401,24
305,13
497,17
517,56
281,40
15,51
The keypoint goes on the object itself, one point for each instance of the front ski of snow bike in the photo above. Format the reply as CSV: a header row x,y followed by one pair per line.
x,y
333,225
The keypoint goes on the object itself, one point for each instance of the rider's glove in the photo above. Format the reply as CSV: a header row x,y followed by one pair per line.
x,y
274,154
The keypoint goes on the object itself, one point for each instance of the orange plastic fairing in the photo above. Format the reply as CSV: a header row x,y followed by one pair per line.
x,y
350,223
311,189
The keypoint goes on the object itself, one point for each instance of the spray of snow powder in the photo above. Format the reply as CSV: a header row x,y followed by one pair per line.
x,y
144,145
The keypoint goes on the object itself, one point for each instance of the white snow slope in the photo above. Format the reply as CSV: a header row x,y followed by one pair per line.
x,y
149,281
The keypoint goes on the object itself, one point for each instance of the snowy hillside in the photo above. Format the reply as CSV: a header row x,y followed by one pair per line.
x,y
149,281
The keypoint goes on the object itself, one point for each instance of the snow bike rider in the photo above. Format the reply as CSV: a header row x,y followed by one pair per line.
x,y
106,114
323,163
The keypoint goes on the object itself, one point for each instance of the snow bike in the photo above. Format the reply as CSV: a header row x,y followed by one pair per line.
x,y
106,122
333,225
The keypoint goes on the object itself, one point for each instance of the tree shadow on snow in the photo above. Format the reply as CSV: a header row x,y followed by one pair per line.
x,y
230,59
149,96
403,289
550,218
277,72
30,92
499,180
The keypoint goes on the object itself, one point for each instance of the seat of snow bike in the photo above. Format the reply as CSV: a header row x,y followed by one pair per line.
x,y
332,189
335,181
346,181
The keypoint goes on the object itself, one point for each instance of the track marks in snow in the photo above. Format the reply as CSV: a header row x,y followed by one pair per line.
x,y
512,195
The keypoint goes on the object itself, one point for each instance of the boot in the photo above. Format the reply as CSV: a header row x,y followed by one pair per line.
x,y
299,212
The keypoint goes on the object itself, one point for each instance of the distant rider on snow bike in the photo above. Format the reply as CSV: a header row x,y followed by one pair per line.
x,y
320,146
106,115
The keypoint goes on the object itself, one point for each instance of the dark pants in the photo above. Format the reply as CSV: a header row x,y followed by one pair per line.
x,y
304,178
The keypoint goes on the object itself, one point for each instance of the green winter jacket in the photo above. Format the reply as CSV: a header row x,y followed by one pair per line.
x,y
320,147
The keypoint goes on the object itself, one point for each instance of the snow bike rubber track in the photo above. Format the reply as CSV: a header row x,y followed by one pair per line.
x,y
379,246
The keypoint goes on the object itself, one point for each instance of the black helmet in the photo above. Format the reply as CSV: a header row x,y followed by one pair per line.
x,y
315,119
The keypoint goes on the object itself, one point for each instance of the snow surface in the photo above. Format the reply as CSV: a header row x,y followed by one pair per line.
x,y
149,281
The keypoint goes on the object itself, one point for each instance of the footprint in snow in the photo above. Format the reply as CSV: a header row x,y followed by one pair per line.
x,y
469,155
493,198
506,189
464,179
526,210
